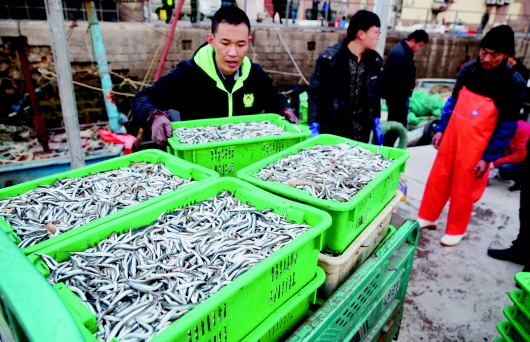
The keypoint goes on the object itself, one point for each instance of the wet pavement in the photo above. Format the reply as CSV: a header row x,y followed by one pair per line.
x,y
458,293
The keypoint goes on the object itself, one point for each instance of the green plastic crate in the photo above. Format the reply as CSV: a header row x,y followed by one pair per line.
x,y
175,165
29,308
282,321
387,328
375,289
523,279
238,308
228,157
498,339
510,332
349,218
523,313
518,320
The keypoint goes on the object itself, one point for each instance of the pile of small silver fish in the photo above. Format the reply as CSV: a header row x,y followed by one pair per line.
x,y
138,282
331,172
49,210
19,144
243,130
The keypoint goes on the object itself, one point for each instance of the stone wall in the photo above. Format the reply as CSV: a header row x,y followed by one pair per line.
x,y
133,47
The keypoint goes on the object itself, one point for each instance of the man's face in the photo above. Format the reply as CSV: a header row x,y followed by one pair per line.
x,y
231,44
415,46
489,59
370,38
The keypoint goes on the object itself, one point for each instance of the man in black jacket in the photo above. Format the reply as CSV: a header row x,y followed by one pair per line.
x,y
344,93
220,80
519,251
399,79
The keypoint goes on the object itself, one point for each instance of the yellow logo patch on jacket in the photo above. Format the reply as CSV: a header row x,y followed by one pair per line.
x,y
248,100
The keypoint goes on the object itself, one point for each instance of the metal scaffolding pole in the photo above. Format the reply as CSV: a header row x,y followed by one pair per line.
x,y
103,66
382,9
61,55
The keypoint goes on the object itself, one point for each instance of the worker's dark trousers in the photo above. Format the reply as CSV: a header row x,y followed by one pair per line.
x,y
523,239
398,110
511,171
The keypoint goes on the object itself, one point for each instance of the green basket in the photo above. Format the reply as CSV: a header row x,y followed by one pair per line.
x,y
284,320
518,320
523,279
373,291
29,308
387,328
523,313
349,218
509,333
175,165
228,157
238,308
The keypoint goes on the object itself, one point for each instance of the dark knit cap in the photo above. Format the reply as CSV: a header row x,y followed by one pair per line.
x,y
499,39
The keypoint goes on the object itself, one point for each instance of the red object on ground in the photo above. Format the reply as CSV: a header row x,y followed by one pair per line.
x,y
469,130
128,141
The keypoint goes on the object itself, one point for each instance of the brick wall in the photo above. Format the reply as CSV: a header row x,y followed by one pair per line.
x,y
132,47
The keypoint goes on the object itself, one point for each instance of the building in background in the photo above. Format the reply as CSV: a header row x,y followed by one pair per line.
x,y
466,14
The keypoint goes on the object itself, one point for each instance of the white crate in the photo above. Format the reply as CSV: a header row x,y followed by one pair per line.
x,y
339,268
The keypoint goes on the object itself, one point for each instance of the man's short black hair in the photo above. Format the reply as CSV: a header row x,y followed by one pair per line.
x,y
230,15
361,21
419,36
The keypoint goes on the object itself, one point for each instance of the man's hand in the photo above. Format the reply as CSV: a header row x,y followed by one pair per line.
x,y
481,168
288,113
161,129
437,140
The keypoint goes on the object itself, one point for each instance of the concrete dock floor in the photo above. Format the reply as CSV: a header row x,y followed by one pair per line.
x,y
458,293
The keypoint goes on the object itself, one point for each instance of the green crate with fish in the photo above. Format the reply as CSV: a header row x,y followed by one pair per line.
x,y
284,320
226,145
38,213
361,306
211,263
350,180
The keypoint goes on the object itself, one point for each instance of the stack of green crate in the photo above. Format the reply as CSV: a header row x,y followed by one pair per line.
x,y
282,285
517,327
176,166
229,156
368,305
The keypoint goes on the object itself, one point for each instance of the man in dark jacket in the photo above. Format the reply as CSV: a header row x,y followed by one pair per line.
x,y
220,80
399,79
344,93
519,251
478,121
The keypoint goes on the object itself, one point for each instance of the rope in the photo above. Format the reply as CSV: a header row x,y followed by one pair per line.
x,y
292,58
51,75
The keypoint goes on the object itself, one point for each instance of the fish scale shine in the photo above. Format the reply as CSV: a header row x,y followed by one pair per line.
x,y
189,267
331,172
72,202
243,130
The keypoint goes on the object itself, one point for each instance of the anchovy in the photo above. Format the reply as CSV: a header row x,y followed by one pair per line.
x,y
182,258
49,210
243,130
330,172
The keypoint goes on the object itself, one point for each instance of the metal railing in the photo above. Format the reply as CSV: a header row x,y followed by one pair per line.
x,y
333,13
